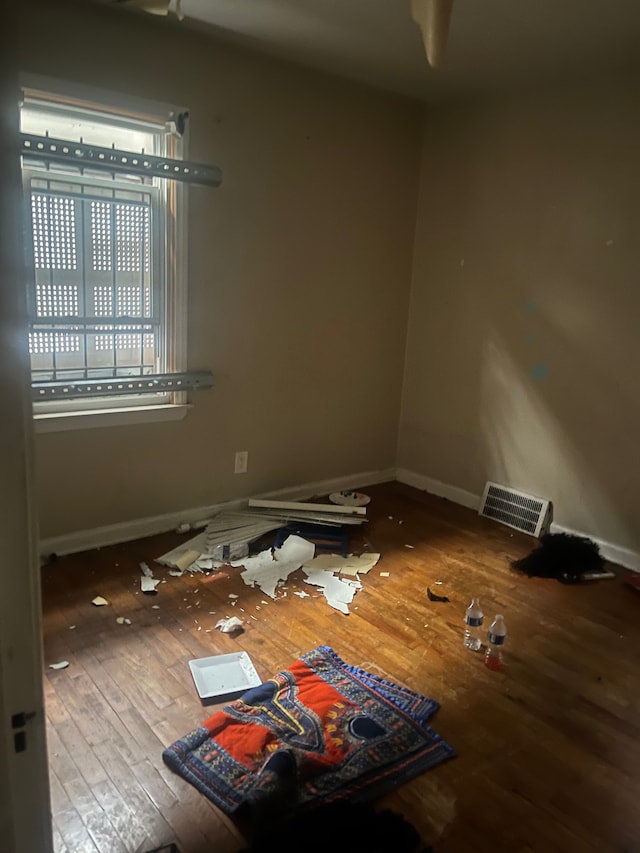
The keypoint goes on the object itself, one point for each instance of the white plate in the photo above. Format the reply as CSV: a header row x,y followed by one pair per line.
x,y
223,675
349,498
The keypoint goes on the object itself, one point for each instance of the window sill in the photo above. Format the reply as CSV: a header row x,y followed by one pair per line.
x,y
63,421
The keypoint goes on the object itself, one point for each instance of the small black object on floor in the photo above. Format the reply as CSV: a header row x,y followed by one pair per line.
x,y
562,556
340,827
433,597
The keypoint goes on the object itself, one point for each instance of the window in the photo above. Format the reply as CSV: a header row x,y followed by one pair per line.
x,y
106,289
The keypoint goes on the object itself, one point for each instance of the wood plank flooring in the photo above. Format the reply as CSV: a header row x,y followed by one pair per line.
x,y
548,749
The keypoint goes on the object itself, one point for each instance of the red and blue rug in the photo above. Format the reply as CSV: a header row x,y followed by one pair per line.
x,y
315,733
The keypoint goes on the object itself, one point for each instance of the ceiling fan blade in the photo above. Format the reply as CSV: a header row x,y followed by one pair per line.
x,y
433,16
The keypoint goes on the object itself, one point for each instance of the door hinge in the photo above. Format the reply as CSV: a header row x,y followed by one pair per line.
x,y
20,720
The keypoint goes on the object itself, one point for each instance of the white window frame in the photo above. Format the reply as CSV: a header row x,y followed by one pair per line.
x,y
106,411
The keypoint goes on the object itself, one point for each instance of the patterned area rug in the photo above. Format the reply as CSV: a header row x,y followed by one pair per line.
x,y
317,732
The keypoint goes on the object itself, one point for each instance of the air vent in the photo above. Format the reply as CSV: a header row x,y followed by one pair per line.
x,y
516,509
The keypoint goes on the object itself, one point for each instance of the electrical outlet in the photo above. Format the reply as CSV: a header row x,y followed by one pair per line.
x,y
242,461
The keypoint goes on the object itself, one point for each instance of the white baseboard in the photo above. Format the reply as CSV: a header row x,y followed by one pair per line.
x,y
436,487
624,557
113,534
610,551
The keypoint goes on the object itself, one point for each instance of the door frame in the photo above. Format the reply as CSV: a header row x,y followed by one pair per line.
x,y
25,811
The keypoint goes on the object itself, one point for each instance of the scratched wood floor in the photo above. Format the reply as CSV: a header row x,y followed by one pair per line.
x,y
548,750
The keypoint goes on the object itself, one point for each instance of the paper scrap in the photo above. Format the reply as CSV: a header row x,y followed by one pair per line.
x,y
302,594
63,664
410,546
99,601
232,595
384,574
229,626
148,585
122,620
155,607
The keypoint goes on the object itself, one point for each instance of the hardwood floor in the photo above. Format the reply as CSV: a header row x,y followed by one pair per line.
x,y
548,749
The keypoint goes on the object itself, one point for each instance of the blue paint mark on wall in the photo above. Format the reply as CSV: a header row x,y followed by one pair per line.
x,y
539,372
530,307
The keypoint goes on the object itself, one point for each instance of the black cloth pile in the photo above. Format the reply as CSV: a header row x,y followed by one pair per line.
x,y
562,556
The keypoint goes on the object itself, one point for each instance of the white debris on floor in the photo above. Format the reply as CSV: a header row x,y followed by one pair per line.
x,y
229,626
351,565
225,541
148,584
226,536
269,570
339,593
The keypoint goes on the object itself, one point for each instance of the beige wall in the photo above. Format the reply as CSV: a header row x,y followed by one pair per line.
x,y
523,349
299,274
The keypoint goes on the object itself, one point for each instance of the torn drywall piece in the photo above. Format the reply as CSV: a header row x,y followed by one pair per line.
x,y
349,571
99,601
267,570
122,620
339,593
146,571
384,574
351,566
148,585
302,594
63,664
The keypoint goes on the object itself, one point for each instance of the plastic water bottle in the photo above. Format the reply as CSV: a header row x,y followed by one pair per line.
x,y
473,626
495,637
